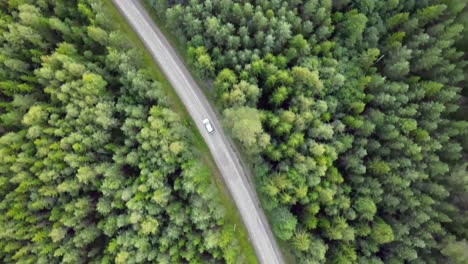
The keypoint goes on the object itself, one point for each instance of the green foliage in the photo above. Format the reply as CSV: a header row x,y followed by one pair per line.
x,y
357,99
246,126
346,105
301,241
352,27
365,207
201,61
284,223
94,165
456,251
381,232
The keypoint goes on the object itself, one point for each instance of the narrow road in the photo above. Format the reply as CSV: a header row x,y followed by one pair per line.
x,y
234,175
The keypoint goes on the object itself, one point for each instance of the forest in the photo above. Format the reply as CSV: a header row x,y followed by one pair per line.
x,y
95,166
350,113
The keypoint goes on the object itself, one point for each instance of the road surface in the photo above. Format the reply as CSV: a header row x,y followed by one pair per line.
x,y
233,173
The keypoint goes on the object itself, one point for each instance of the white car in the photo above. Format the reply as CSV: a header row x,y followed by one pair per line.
x,y
208,125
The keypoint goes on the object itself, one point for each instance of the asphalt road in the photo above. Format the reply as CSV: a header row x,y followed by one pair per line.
x,y
235,176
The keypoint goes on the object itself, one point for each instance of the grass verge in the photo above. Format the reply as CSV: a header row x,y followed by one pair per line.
x,y
201,148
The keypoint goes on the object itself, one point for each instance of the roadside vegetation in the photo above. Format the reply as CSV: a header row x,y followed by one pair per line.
x,y
346,109
98,161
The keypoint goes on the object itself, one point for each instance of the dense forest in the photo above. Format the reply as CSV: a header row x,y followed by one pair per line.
x,y
95,167
347,110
